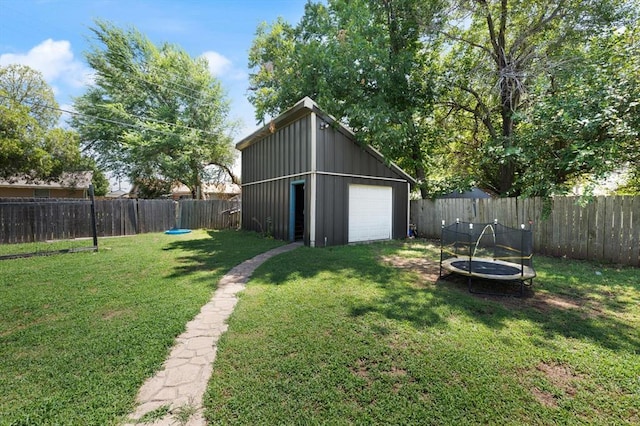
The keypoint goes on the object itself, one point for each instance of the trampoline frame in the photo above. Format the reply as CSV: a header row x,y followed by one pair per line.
x,y
525,273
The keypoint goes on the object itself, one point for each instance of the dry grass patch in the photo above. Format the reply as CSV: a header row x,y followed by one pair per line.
x,y
427,270
560,377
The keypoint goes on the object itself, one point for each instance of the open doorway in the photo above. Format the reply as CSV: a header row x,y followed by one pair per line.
x,y
296,211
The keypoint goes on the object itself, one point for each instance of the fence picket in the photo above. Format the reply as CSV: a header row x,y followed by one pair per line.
x,y
634,225
625,231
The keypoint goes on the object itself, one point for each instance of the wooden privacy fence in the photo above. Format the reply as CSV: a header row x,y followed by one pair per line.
x,y
29,220
606,229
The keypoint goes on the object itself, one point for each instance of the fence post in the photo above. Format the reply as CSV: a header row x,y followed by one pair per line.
x,y
94,226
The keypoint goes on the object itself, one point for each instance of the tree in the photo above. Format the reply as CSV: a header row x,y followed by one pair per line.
x,y
22,85
587,125
494,93
375,52
30,143
522,78
154,114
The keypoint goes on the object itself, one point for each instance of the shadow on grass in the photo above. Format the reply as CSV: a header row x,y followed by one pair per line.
x,y
591,312
218,253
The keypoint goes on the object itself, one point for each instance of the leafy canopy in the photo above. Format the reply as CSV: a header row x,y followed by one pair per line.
x,y
360,60
537,90
154,114
31,144
520,97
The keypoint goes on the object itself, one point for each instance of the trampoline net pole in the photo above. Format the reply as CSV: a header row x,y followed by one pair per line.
x,y
522,231
471,249
441,246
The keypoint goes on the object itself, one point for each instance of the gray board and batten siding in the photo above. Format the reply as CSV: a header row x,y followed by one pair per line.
x,y
305,148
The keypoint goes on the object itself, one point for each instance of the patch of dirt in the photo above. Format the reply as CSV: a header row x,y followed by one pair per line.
x,y
396,372
426,269
547,302
361,370
116,313
559,376
544,398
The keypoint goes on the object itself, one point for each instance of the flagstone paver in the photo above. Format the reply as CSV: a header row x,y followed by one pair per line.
x,y
182,381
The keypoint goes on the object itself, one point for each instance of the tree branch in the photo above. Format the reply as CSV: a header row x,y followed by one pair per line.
x,y
234,178
470,43
492,33
538,26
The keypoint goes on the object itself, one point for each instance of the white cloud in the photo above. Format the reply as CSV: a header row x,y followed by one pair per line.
x,y
55,60
220,66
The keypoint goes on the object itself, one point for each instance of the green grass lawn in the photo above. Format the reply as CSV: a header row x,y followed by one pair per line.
x,y
367,335
79,333
347,335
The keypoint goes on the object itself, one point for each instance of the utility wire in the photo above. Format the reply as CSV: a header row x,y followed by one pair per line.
x,y
144,118
122,123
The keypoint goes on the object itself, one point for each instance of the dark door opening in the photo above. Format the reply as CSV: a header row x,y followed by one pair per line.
x,y
297,211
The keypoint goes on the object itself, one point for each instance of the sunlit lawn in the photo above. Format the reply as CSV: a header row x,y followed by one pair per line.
x,y
348,335
365,335
80,332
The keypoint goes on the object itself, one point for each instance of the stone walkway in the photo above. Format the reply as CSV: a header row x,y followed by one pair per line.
x,y
178,388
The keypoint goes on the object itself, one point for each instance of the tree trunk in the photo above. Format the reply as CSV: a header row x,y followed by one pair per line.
x,y
506,168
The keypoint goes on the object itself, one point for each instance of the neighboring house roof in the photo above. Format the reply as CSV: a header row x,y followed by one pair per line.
x,y
75,180
209,188
302,108
117,194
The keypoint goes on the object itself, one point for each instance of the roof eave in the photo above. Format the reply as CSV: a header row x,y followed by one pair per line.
x,y
305,106
302,107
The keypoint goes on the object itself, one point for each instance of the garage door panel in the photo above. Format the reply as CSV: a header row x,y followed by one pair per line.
x,y
370,213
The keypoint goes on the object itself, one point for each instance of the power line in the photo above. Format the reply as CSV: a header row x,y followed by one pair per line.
x,y
125,124
144,118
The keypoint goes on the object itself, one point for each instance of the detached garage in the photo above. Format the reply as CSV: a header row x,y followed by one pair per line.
x,y
304,177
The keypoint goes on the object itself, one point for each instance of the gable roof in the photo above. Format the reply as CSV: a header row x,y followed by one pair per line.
x,y
302,108
68,180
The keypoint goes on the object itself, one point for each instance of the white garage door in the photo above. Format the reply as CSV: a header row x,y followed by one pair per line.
x,y
370,213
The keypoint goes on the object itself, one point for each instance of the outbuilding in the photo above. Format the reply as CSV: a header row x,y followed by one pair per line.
x,y
306,178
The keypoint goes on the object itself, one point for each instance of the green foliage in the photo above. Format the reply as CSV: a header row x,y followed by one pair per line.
x,y
30,143
519,97
25,86
531,85
586,126
363,62
154,112
632,185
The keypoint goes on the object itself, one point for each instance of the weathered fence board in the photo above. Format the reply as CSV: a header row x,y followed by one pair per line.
x,y
29,220
606,229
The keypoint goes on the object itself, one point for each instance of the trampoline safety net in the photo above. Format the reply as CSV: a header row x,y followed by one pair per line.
x,y
492,250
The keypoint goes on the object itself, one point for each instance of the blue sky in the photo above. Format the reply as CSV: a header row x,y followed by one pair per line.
x,y
52,36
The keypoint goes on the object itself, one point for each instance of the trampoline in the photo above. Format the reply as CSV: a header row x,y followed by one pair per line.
x,y
488,251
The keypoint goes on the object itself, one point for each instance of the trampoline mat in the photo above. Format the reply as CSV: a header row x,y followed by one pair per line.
x,y
488,268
